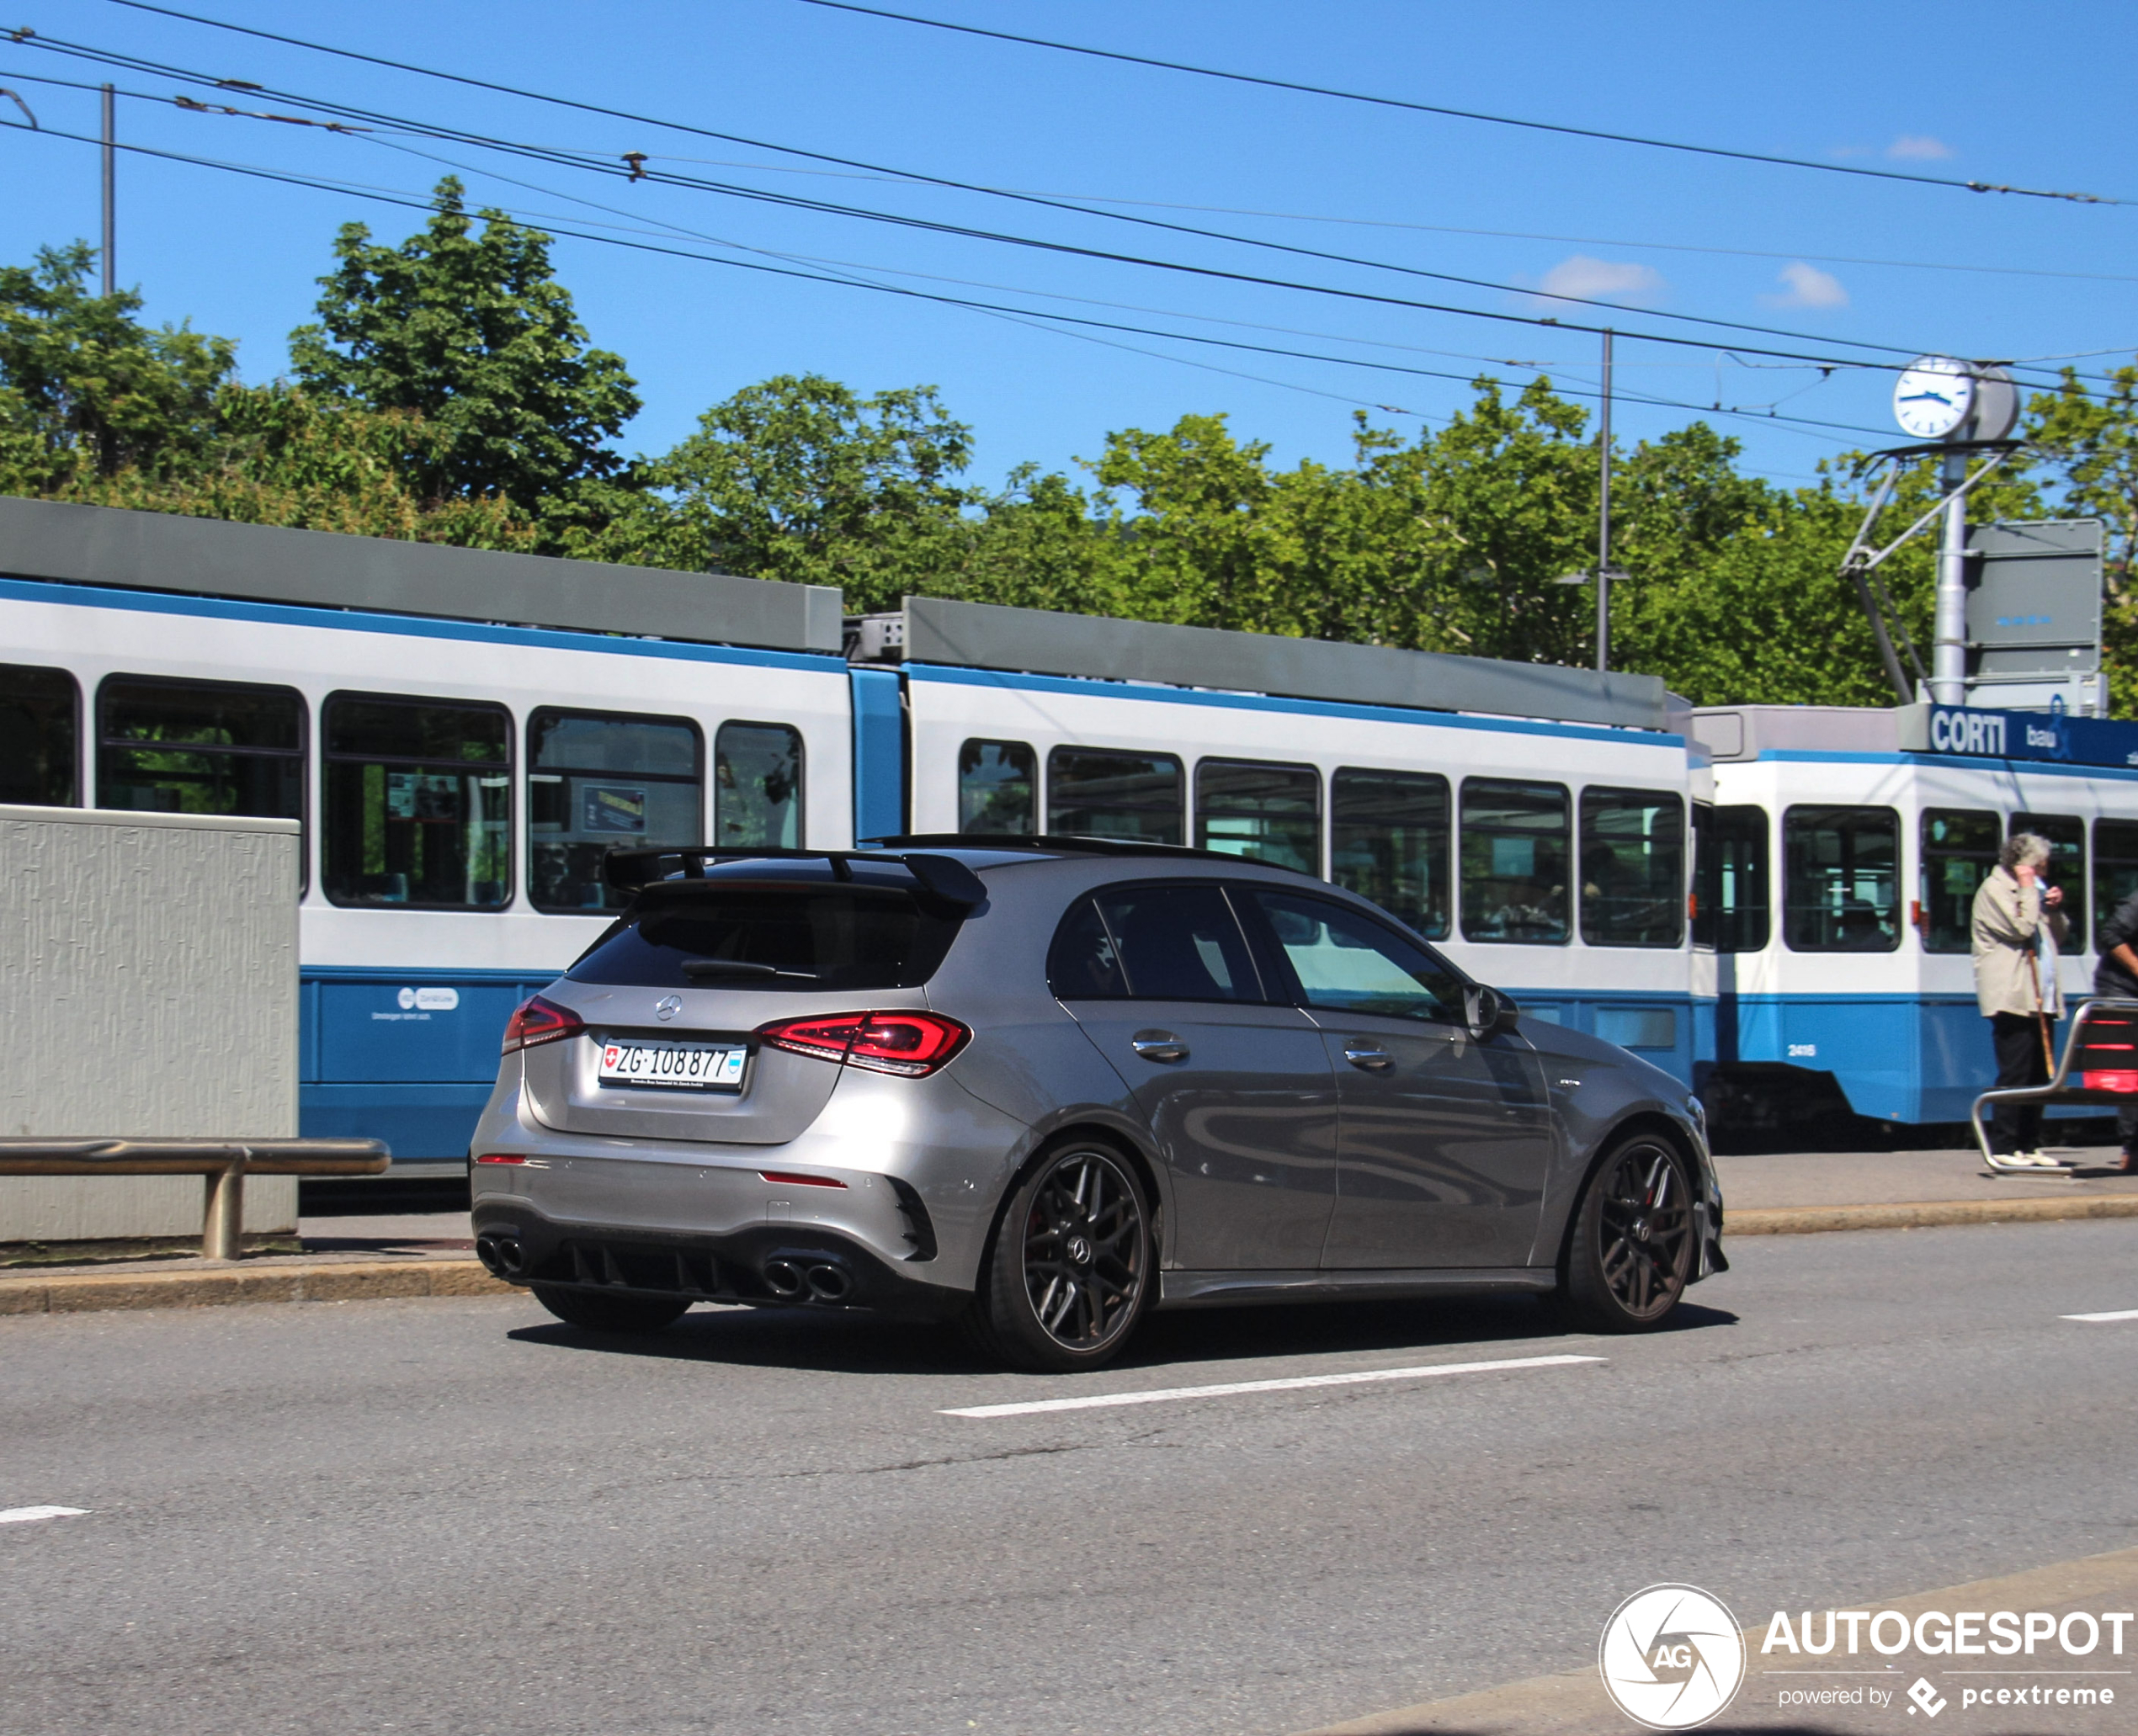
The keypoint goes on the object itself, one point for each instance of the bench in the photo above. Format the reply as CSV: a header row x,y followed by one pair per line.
x,y
2098,1066
224,1163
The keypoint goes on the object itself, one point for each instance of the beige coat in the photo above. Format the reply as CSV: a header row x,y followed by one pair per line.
x,y
2008,918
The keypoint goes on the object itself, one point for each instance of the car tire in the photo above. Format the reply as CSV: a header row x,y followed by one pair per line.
x,y
1631,1252
609,1313
1071,1265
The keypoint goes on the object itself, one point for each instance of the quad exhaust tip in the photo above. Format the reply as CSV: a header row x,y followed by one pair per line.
x,y
802,1279
501,1255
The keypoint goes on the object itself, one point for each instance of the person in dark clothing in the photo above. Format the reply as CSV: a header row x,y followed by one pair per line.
x,y
2116,977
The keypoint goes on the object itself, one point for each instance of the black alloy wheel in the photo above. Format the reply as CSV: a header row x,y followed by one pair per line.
x,y
1632,1250
1068,1274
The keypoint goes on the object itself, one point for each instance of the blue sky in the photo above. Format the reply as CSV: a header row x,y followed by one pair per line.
x,y
1657,232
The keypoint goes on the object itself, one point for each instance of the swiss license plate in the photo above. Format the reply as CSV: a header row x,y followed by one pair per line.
x,y
673,1066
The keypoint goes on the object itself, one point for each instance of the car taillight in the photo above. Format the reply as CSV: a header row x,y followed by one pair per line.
x,y
2110,1078
906,1043
501,1157
539,1021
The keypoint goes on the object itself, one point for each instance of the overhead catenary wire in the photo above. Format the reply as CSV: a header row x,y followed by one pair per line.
x,y
1349,96
1804,254
616,169
414,202
638,226
636,171
921,179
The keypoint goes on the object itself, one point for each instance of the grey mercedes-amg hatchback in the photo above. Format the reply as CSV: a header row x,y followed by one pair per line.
x,y
1045,1084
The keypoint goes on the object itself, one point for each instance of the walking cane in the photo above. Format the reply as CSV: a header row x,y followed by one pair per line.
x,y
2041,1011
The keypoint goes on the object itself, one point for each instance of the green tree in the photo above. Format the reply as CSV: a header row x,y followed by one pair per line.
x,y
2089,445
86,390
473,333
801,479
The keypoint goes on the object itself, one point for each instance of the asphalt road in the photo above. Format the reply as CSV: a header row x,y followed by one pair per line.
x,y
455,1516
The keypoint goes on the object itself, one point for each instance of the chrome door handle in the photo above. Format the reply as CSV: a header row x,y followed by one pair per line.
x,y
1159,1046
1364,1055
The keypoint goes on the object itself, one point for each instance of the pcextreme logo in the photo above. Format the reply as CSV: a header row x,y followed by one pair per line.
x,y
1671,1656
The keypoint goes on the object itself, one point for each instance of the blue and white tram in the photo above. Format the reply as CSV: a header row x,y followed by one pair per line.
x,y
1839,864
460,779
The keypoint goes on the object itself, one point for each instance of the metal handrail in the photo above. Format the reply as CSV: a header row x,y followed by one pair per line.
x,y
224,1163
2058,1088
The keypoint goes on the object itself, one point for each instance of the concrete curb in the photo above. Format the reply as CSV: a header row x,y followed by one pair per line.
x,y
340,1281
372,1280
1811,1220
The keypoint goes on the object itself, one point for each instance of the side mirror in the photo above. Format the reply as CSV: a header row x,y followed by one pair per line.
x,y
1490,1012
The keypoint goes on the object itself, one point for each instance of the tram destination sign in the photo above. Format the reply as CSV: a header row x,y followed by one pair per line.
x,y
1978,734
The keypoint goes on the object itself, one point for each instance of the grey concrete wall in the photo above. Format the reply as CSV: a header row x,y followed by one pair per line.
x,y
148,989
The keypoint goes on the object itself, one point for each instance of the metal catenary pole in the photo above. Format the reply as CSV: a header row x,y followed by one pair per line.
x,y
1604,522
1949,647
110,189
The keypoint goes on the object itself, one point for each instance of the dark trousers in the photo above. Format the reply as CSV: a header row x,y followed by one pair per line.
x,y
2017,1126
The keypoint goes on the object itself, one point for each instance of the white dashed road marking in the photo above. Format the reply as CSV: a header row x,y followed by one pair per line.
x,y
1101,1401
25,1515
2121,1314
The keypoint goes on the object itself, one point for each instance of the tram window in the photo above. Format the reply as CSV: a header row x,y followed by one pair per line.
x,y
1633,867
1841,884
1515,846
418,803
1959,849
1095,793
2066,836
1263,813
1734,909
2115,863
757,785
598,781
997,788
201,747
1388,841
38,710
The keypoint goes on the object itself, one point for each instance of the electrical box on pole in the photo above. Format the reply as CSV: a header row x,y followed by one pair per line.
x,y
2034,616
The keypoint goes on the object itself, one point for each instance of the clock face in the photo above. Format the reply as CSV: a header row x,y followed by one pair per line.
x,y
1933,396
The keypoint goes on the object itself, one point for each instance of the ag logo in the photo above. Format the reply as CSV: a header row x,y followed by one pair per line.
x,y
1928,1697
1671,1656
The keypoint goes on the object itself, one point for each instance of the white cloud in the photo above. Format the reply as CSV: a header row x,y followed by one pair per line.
x,y
1808,287
1918,147
1601,280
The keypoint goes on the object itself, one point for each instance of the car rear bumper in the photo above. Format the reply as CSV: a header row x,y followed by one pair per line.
x,y
767,1265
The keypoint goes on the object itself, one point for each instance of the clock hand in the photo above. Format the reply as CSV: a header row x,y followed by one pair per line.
x,y
1935,397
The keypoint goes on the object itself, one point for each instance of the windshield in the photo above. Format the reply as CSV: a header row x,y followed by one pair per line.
x,y
824,936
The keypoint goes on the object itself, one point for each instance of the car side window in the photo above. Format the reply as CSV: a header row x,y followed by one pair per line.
x,y
1176,942
1082,964
1348,963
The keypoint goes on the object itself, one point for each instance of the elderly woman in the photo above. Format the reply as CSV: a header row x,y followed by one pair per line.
x,y
2018,929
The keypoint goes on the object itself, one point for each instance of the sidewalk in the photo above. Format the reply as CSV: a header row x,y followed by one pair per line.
x,y
1801,1192
431,1253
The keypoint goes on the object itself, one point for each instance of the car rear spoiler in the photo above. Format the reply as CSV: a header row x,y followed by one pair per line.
x,y
942,878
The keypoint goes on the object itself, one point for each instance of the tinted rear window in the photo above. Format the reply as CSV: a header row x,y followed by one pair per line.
x,y
838,938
